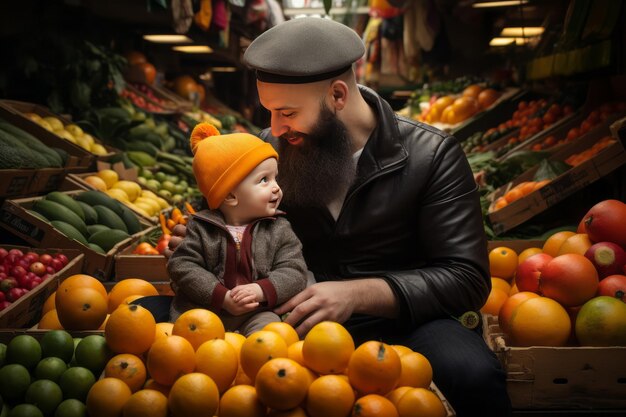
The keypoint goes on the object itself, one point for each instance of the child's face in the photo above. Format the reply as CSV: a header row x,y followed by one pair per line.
x,y
258,195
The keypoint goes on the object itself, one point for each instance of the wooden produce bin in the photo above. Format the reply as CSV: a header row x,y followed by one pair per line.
x,y
26,311
79,159
15,182
563,378
16,218
149,267
576,178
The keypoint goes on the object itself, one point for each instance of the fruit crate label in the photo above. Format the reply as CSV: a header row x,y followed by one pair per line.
x,y
18,185
20,225
566,185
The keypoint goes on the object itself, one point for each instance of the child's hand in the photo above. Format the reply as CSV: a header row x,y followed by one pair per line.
x,y
238,308
247,293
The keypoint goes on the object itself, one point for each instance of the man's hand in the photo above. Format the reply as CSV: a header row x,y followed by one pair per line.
x,y
178,234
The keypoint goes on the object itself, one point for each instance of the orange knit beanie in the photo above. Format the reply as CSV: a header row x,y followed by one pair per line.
x,y
221,162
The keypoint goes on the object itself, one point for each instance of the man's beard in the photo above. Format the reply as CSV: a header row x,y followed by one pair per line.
x,y
315,172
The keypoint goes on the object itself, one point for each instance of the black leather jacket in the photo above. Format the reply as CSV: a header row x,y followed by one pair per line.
x,y
412,217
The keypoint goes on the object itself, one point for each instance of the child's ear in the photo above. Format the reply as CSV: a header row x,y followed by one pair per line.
x,y
230,200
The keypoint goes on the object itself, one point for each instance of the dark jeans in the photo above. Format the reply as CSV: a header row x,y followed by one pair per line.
x,y
465,370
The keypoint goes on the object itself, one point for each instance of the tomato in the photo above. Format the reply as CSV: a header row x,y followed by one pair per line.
x,y
613,286
163,243
144,248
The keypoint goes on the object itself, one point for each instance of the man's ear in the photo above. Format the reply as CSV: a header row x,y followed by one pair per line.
x,y
231,200
339,94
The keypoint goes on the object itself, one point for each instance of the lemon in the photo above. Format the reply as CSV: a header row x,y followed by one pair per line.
x,y
109,176
148,194
82,142
131,188
96,182
152,203
54,122
67,136
139,210
118,194
33,116
162,202
98,149
45,125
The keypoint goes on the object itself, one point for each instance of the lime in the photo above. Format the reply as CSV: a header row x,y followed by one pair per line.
x,y
164,193
25,350
160,176
25,410
169,186
146,173
3,354
93,353
50,368
14,381
76,382
76,342
45,395
57,343
71,408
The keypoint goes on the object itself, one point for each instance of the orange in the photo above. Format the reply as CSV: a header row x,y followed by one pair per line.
x,y
514,289
96,182
153,385
198,325
578,243
107,397
294,412
374,368
285,330
539,321
487,97
81,309
241,378
260,347
146,403
218,359
169,358
421,402
401,349
241,401
130,329
128,287
374,405
50,321
235,340
502,262
500,284
49,304
327,348
163,329
472,90
496,298
294,352
552,245
511,303
282,383
80,281
129,368
527,253
131,298
397,393
416,371
330,396
194,394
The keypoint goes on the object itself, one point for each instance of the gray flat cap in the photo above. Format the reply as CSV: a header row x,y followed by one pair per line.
x,y
304,50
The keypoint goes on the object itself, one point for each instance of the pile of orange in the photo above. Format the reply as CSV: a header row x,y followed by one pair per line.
x,y
194,367
455,109
82,303
518,191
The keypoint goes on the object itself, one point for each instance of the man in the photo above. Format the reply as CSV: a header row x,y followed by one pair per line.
x,y
386,208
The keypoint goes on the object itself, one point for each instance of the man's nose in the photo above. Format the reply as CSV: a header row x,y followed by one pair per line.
x,y
277,127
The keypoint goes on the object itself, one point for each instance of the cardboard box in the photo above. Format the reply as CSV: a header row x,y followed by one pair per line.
x,y
566,378
148,267
79,158
14,217
15,182
26,311
576,178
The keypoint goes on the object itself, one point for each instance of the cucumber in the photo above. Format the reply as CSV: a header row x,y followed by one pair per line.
x,y
67,201
130,220
55,211
96,248
38,215
95,228
98,198
109,218
69,231
91,216
106,239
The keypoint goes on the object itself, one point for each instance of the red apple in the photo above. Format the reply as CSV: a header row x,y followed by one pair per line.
x,y
38,268
3,253
613,286
45,259
529,272
32,255
570,279
607,257
62,258
606,222
16,252
14,294
18,271
50,270
4,304
56,264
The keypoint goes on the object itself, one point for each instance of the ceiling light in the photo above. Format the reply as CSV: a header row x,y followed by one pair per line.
x,y
508,41
167,38
193,49
483,4
522,31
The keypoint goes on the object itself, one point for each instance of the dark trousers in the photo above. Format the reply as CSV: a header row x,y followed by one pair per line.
x,y
464,368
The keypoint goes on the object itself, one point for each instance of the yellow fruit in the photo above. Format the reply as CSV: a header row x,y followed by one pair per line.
x,y
118,194
148,194
54,122
75,130
163,203
45,125
109,176
98,149
152,203
82,142
33,116
66,135
147,208
96,182
131,188
138,210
